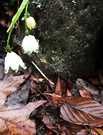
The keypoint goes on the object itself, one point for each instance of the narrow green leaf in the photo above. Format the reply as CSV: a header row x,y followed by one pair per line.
x,y
17,15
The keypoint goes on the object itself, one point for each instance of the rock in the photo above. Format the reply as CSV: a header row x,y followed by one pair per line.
x,y
68,32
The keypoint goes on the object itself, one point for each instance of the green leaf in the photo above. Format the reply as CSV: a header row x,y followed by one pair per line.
x,y
17,15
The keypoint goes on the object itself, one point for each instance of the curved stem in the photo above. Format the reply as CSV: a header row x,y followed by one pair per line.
x,y
20,10
26,16
8,46
9,37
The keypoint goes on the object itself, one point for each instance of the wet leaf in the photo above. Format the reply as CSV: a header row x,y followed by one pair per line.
x,y
15,119
55,100
58,88
34,79
82,111
20,96
46,120
64,130
99,130
85,94
69,93
53,113
9,85
84,85
93,132
83,132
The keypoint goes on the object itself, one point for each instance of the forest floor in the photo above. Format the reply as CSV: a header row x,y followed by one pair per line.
x,y
31,103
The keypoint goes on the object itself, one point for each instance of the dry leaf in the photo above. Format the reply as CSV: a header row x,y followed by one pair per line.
x,y
93,132
53,113
99,130
9,85
55,99
48,123
82,132
82,111
58,89
69,93
85,94
34,79
64,129
15,119
84,85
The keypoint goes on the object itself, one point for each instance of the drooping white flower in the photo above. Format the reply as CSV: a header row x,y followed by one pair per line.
x,y
30,44
30,22
12,60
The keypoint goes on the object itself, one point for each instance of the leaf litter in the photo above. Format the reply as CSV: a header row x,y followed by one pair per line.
x,y
47,109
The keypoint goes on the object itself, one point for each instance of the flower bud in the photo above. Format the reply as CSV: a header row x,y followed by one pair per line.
x,y
31,22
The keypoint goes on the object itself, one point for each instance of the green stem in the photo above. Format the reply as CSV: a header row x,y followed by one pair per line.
x,y
16,17
8,46
26,16
26,13
9,36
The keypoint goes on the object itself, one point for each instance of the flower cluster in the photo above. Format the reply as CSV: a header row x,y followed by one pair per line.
x,y
29,43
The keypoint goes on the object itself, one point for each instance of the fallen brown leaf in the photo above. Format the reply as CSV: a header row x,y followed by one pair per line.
x,y
15,119
85,94
69,93
48,123
55,99
82,132
58,88
82,111
84,85
9,85
64,130
99,130
93,132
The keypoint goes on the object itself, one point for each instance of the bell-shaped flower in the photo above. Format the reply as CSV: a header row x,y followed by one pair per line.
x,y
12,60
30,22
30,44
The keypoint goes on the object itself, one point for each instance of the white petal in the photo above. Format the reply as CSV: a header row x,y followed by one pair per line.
x,y
31,22
13,60
6,67
30,44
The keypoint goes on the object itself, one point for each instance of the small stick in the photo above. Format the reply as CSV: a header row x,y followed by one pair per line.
x,y
49,94
42,73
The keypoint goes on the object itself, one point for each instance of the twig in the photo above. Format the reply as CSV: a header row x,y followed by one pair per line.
x,y
42,73
64,77
49,94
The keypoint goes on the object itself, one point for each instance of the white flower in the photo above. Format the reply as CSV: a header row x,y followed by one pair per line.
x,y
12,60
30,22
30,44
